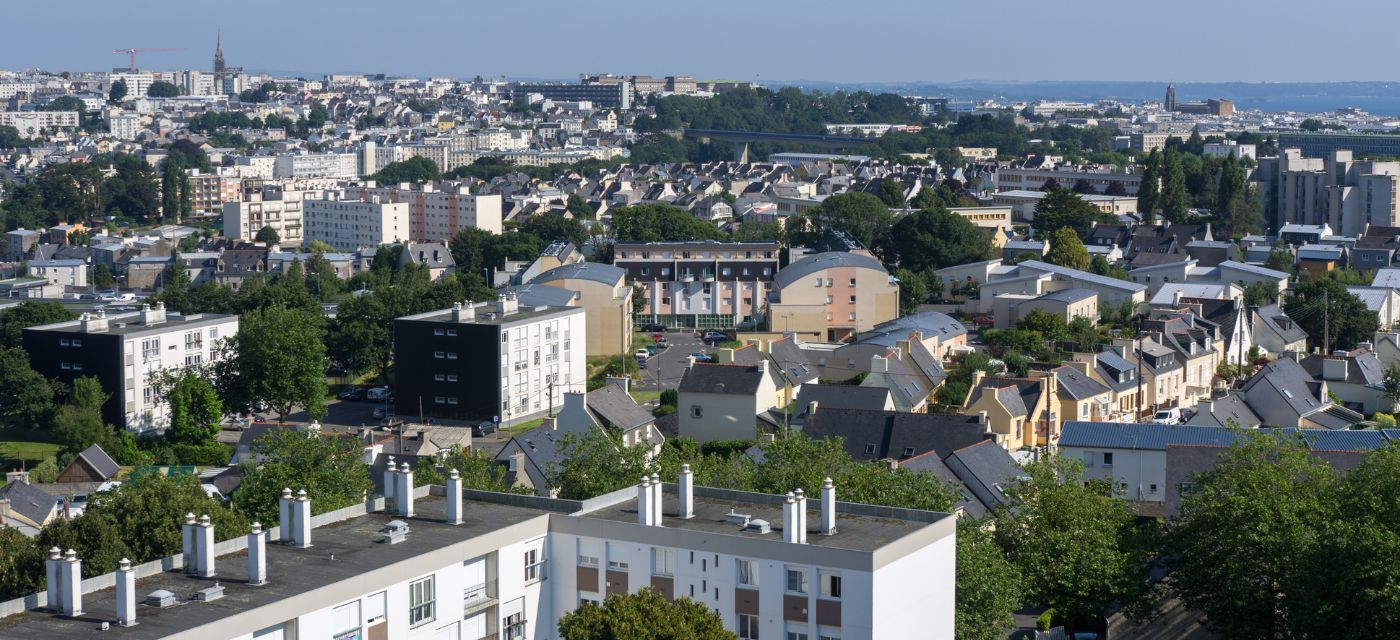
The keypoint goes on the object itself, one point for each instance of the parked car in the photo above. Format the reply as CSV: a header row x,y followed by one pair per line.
x,y
1173,415
642,355
377,394
715,336
663,343
654,328
701,356
259,420
484,428
353,393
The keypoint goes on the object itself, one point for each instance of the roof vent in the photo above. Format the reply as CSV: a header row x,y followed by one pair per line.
x,y
741,519
758,525
395,532
160,598
210,594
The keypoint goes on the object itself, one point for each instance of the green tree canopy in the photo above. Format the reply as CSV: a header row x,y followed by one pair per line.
x,y
417,170
25,395
1326,303
277,360
1175,200
643,615
1064,208
989,588
162,89
329,467
933,239
660,223
29,314
195,409
267,236
862,215
1067,250
117,92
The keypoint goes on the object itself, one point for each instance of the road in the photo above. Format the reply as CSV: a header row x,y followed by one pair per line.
x,y
667,367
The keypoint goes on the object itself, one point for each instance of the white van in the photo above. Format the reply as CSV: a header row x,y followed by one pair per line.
x,y
1173,415
377,394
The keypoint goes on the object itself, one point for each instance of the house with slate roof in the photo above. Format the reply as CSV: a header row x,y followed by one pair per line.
x,y
722,401
1021,412
91,465
610,407
26,508
1355,377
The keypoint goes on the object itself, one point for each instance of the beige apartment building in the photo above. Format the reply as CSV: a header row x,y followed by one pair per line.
x,y
602,290
832,296
437,212
273,207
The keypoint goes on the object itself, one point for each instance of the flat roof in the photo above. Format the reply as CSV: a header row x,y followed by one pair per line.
x,y
129,324
524,314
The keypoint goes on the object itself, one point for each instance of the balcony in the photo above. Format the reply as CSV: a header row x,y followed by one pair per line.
x,y
478,597
687,277
708,276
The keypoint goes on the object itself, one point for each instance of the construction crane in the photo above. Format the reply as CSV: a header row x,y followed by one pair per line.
x,y
132,53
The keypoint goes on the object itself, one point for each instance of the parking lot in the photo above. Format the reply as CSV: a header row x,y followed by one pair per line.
x,y
665,368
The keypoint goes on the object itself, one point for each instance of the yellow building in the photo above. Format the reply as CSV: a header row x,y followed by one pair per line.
x,y
832,296
603,291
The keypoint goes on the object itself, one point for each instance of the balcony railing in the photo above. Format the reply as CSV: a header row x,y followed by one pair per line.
x,y
478,597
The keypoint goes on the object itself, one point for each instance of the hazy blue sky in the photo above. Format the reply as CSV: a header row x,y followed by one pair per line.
x,y
838,40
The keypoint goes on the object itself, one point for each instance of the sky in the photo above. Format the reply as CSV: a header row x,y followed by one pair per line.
x,y
762,40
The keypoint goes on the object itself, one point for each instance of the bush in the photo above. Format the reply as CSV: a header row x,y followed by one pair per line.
x,y
1383,421
671,397
663,410
208,454
1045,620
725,448
47,471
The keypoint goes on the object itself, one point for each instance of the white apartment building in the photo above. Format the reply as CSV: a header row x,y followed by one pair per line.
x,y
32,123
64,273
447,563
273,207
342,166
11,89
124,352
254,166
438,212
124,126
137,82
348,224
444,358
1017,179
1229,148
211,191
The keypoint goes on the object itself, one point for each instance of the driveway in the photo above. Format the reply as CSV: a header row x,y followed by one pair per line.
x,y
666,367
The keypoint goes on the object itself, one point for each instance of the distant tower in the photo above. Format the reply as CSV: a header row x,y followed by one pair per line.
x,y
1171,97
219,53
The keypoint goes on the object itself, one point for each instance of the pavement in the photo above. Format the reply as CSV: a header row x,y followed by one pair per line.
x,y
665,369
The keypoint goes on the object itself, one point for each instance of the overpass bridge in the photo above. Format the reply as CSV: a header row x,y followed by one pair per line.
x,y
742,139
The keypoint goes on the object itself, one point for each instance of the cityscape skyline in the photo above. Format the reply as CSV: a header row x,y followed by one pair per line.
x,y
601,41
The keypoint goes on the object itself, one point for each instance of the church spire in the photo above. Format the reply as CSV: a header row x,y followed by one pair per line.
x,y
219,52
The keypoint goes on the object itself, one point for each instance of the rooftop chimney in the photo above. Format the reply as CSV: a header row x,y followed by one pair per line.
x,y
878,364
812,408
463,312
507,304
687,493
187,544
1334,367
70,578
644,511
154,314
790,519
126,594
257,556
403,494
55,584
204,548
94,322
828,508
389,480
454,497
801,516
655,500
301,520
284,515
724,356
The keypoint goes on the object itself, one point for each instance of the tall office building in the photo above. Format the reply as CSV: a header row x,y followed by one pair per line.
x,y
1171,97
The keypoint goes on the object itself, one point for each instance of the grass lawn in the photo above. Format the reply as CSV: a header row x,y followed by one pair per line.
x,y
22,444
524,426
643,397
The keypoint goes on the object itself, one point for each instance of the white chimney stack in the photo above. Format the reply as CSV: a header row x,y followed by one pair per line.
x,y
454,497
187,543
257,556
204,548
126,594
301,520
644,502
284,515
828,508
790,519
655,500
54,565
403,494
801,517
71,579
687,493
389,480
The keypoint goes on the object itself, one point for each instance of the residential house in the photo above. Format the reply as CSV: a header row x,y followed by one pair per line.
x,y
1275,333
26,507
1355,377
610,407
434,256
91,465
722,401
1066,304
834,296
602,289
1283,394
1021,412
1081,397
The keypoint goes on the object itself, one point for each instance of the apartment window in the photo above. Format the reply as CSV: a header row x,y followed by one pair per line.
x,y
796,635
853,282
831,584
63,343
515,626
696,411
826,636
439,355
532,565
748,627
853,299
852,315
828,299
451,355
451,333
869,448
663,562
438,332
615,564
1152,488
374,608
796,580
587,557
346,621
420,602
828,282
438,377
1185,489
65,366
748,573
819,282
451,399
1108,459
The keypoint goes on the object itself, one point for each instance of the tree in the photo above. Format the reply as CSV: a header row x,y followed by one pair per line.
x,y
912,291
1067,250
195,409
988,587
1116,189
78,422
417,170
660,223
1083,186
1260,294
595,464
102,277
1064,208
1326,303
891,193
29,314
1390,384
328,467
21,565
1066,536
476,468
171,178
1279,259
267,236
25,395
643,615
1176,201
552,228
579,207
117,92
162,89
1245,532
1049,325
276,360
865,217
933,239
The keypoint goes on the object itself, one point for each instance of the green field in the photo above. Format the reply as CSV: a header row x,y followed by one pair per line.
x,y
24,446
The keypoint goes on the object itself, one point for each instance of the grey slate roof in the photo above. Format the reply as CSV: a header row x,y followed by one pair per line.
x,y
986,469
617,408
595,271
842,396
1079,386
29,501
1363,367
892,432
931,323
1069,296
814,263
539,295
1225,408
721,378
100,461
